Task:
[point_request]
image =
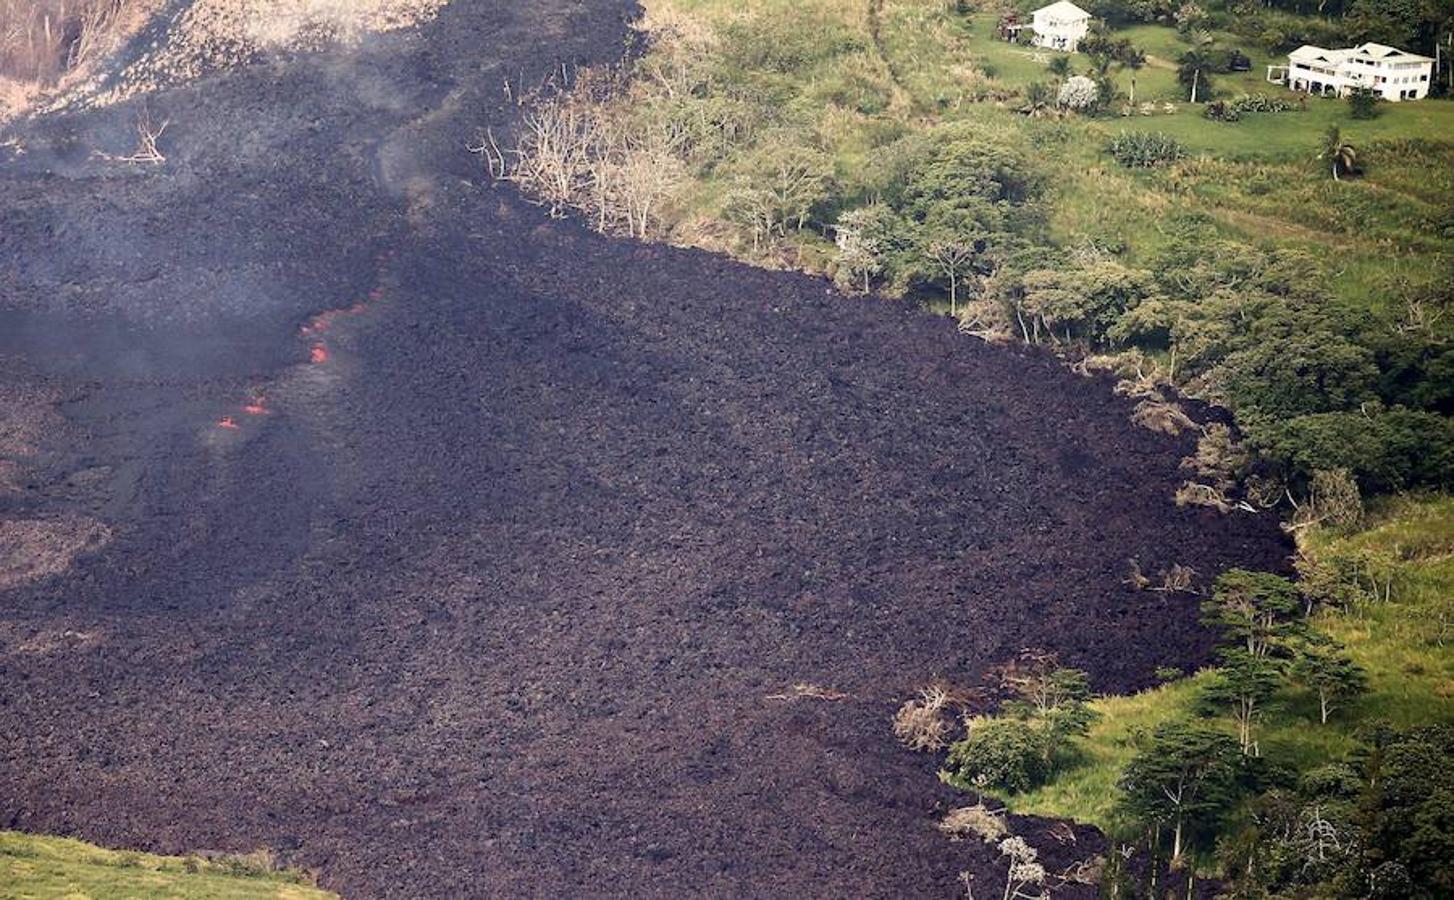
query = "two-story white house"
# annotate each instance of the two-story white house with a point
(1060, 26)
(1391, 73)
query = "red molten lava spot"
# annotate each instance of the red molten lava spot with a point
(257, 407)
(319, 354)
(226, 422)
(324, 320)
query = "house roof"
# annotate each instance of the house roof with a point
(1378, 52)
(1062, 9)
(1383, 51)
(1309, 53)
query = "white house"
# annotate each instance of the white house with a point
(1391, 73)
(1060, 26)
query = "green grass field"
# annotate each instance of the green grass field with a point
(1280, 137)
(40, 868)
(1406, 645)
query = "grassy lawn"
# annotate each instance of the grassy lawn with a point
(1292, 135)
(1406, 645)
(51, 867)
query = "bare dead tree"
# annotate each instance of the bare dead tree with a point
(1136, 579)
(148, 133)
(489, 150)
(1177, 579)
(953, 257)
(647, 177)
(573, 152)
(552, 156)
(1420, 317)
(1161, 416)
(1192, 493)
(96, 25)
(920, 724)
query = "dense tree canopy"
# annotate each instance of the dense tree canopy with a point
(1183, 778)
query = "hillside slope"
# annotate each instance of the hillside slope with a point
(452, 549)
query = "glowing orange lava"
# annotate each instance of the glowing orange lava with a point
(226, 422)
(324, 320)
(256, 407)
(319, 354)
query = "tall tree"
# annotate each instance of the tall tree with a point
(1194, 72)
(1185, 778)
(1258, 610)
(1134, 60)
(1242, 686)
(955, 258)
(861, 248)
(1325, 668)
(1392, 22)
(1054, 698)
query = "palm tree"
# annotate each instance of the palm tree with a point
(1337, 155)
(1038, 99)
(1195, 70)
(1060, 67)
(1197, 64)
(1133, 60)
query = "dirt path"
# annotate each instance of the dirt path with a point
(499, 592)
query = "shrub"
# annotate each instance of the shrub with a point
(1144, 149)
(1221, 111)
(920, 723)
(1161, 416)
(1261, 103)
(1333, 498)
(1079, 93)
(1363, 104)
(998, 754)
(976, 820)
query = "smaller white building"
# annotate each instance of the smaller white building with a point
(1389, 72)
(1060, 26)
